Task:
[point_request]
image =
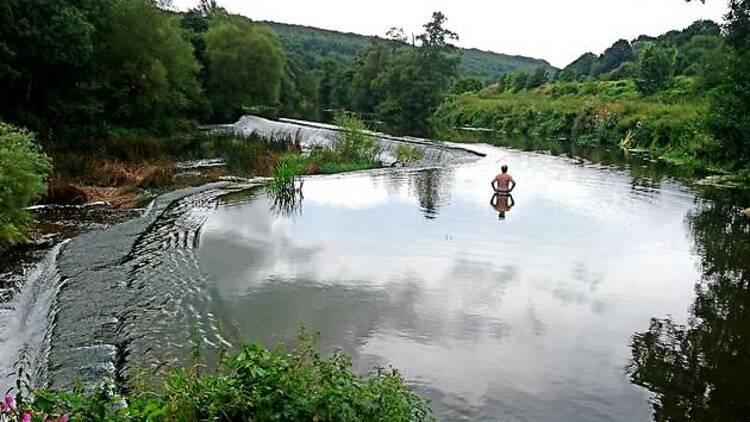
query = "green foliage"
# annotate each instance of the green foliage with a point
(285, 172)
(730, 106)
(246, 66)
(538, 78)
(47, 51)
(408, 154)
(594, 113)
(311, 47)
(147, 87)
(619, 53)
(255, 384)
(655, 69)
(697, 46)
(23, 173)
(353, 143)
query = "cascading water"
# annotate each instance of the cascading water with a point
(26, 320)
(132, 297)
(311, 134)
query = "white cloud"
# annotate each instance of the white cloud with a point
(556, 30)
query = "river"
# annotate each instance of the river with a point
(522, 315)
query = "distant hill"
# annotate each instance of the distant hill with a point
(308, 46)
(697, 46)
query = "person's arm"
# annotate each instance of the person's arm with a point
(494, 181)
(513, 184)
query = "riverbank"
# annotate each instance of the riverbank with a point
(670, 126)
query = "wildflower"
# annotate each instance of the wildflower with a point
(10, 403)
(63, 418)
(26, 417)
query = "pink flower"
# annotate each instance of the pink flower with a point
(63, 418)
(26, 417)
(10, 402)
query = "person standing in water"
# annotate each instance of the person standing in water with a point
(503, 183)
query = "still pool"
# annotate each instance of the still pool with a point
(527, 317)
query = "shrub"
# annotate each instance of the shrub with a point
(353, 143)
(407, 154)
(23, 174)
(256, 384)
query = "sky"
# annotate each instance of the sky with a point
(558, 31)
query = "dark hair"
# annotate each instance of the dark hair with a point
(504, 169)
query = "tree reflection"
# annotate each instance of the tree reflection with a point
(701, 371)
(431, 188)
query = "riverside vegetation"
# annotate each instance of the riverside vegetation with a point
(679, 96)
(77, 80)
(254, 383)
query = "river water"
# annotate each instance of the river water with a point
(519, 311)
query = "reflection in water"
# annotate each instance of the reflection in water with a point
(699, 371)
(287, 202)
(502, 203)
(432, 190)
(529, 321)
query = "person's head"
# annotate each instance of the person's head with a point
(504, 168)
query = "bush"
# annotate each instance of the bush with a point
(407, 154)
(255, 384)
(23, 174)
(353, 143)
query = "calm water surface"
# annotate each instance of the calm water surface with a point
(526, 318)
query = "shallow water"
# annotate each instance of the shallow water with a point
(526, 316)
(523, 318)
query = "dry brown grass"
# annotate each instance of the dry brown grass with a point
(117, 197)
(119, 173)
(115, 182)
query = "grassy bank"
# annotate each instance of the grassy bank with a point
(670, 125)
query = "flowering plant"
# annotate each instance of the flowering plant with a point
(11, 411)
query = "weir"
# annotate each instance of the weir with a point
(132, 297)
(312, 134)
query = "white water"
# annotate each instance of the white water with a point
(25, 320)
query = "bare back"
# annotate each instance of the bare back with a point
(503, 182)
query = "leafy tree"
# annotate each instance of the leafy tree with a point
(47, 75)
(619, 53)
(23, 172)
(655, 69)
(701, 51)
(196, 21)
(299, 92)
(147, 87)
(416, 80)
(520, 80)
(538, 78)
(373, 61)
(568, 74)
(583, 65)
(730, 114)
(246, 66)
(467, 84)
